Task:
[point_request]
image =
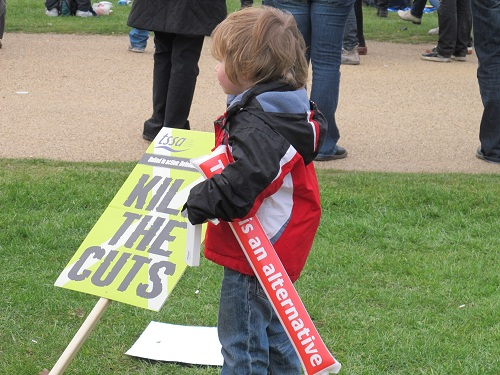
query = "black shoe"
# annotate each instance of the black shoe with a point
(147, 137)
(382, 13)
(435, 56)
(480, 155)
(340, 153)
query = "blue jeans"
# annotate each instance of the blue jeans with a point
(138, 38)
(252, 337)
(322, 23)
(486, 19)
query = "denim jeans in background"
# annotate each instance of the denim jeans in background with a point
(138, 38)
(486, 19)
(351, 32)
(322, 23)
(252, 337)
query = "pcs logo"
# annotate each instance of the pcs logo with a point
(174, 143)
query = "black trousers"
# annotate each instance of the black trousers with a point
(455, 25)
(174, 79)
(3, 10)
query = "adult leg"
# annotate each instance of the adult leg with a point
(358, 11)
(350, 32)
(350, 55)
(328, 20)
(486, 20)
(415, 13)
(51, 4)
(447, 20)
(161, 77)
(322, 24)
(464, 27)
(185, 57)
(417, 9)
(382, 6)
(83, 5)
(3, 10)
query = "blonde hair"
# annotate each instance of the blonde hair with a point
(261, 44)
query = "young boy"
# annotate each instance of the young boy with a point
(273, 133)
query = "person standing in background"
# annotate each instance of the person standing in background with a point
(455, 23)
(358, 11)
(179, 31)
(322, 24)
(486, 28)
(350, 55)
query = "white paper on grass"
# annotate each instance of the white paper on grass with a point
(175, 343)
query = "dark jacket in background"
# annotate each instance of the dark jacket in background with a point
(187, 17)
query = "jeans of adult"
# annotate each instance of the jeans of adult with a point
(138, 38)
(3, 10)
(175, 73)
(322, 23)
(455, 24)
(252, 337)
(350, 32)
(486, 19)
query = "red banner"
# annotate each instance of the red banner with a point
(313, 353)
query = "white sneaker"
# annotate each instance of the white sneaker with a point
(81, 13)
(350, 57)
(52, 13)
(434, 31)
(407, 16)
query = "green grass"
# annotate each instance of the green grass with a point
(28, 16)
(403, 277)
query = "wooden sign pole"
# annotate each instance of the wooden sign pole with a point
(74, 346)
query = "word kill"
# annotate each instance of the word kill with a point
(138, 233)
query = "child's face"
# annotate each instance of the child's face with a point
(229, 87)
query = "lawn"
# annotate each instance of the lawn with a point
(403, 277)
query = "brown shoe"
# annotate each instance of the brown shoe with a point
(362, 50)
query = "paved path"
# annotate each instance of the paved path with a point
(84, 98)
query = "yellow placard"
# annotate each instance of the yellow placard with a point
(135, 252)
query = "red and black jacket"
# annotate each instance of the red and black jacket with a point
(273, 134)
